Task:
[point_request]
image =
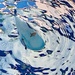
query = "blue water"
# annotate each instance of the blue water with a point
(20, 4)
(32, 42)
(32, 3)
(23, 4)
(2, 6)
(1, 0)
(6, 10)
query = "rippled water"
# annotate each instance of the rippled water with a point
(34, 40)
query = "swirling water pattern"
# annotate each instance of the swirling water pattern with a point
(56, 29)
